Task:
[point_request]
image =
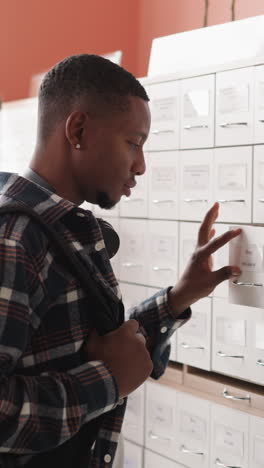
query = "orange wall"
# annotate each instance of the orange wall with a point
(34, 34)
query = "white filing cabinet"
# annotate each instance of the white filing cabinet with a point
(194, 338)
(136, 206)
(164, 107)
(187, 241)
(163, 185)
(220, 260)
(229, 438)
(133, 250)
(233, 183)
(259, 105)
(161, 419)
(197, 112)
(196, 183)
(132, 295)
(102, 213)
(258, 184)
(256, 442)
(230, 350)
(133, 455)
(246, 251)
(162, 253)
(256, 346)
(152, 460)
(234, 107)
(133, 427)
(193, 436)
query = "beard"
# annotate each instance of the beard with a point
(103, 200)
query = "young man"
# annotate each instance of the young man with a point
(63, 386)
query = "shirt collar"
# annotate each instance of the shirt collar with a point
(45, 202)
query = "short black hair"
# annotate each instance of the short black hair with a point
(104, 84)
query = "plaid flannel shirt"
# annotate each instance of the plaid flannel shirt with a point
(47, 390)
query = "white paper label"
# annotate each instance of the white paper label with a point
(230, 440)
(196, 177)
(160, 414)
(232, 177)
(164, 179)
(163, 247)
(192, 426)
(260, 335)
(259, 451)
(196, 327)
(251, 258)
(234, 99)
(130, 462)
(231, 331)
(164, 109)
(133, 246)
(196, 104)
(260, 98)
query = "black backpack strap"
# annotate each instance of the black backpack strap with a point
(102, 318)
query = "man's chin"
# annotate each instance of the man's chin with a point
(104, 201)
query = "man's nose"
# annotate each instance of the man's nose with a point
(140, 165)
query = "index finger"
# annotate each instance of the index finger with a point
(206, 226)
(219, 242)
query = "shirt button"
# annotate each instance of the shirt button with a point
(107, 458)
(121, 401)
(163, 330)
(99, 245)
(82, 215)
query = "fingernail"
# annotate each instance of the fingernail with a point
(235, 272)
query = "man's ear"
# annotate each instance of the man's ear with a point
(74, 127)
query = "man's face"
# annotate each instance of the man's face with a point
(114, 154)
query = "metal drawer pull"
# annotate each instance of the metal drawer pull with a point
(235, 398)
(261, 120)
(157, 268)
(232, 201)
(154, 436)
(157, 132)
(183, 449)
(261, 200)
(260, 362)
(131, 265)
(219, 463)
(126, 200)
(195, 127)
(252, 285)
(195, 200)
(162, 201)
(236, 356)
(186, 346)
(233, 124)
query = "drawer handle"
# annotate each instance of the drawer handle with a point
(244, 283)
(236, 356)
(154, 436)
(232, 201)
(162, 201)
(219, 463)
(157, 132)
(195, 127)
(261, 200)
(195, 200)
(261, 120)
(186, 346)
(235, 398)
(233, 124)
(131, 265)
(260, 362)
(183, 449)
(126, 200)
(157, 268)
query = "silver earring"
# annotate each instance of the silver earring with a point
(77, 146)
